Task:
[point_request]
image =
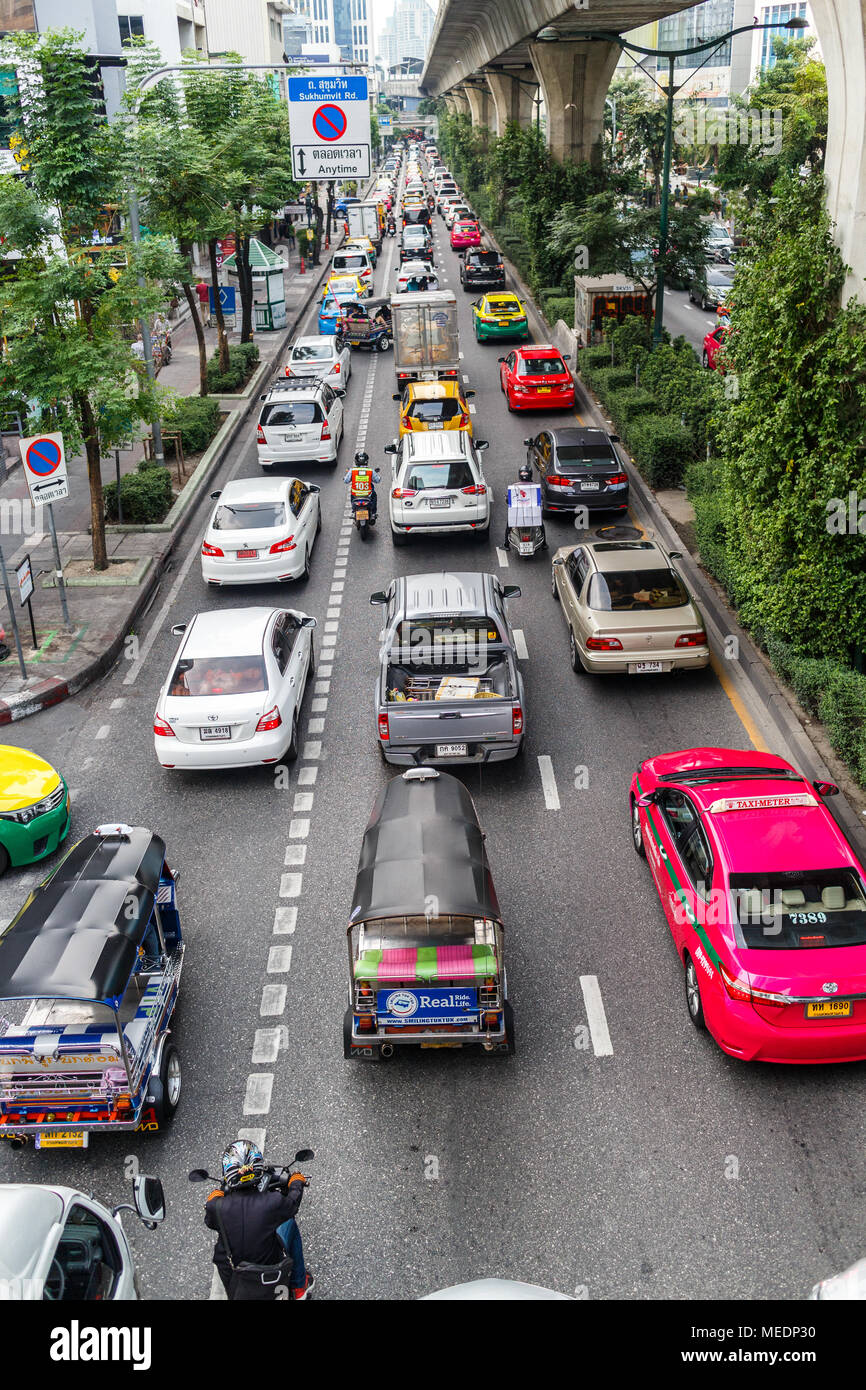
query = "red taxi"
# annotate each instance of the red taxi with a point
(765, 899)
(465, 233)
(713, 344)
(535, 377)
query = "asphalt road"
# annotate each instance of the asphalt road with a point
(659, 1168)
(689, 320)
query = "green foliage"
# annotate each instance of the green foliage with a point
(629, 403)
(682, 387)
(146, 496)
(243, 358)
(632, 340)
(606, 380)
(197, 418)
(661, 446)
(842, 711)
(556, 306)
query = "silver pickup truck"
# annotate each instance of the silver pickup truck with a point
(449, 687)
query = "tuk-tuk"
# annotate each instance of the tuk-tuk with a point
(367, 324)
(89, 973)
(425, 935)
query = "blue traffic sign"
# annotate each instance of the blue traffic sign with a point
(327, 88)
(227, 299)
(43, 457)
(329, 123)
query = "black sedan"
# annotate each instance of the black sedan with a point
(578, 467)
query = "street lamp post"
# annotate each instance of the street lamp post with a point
(708, 47)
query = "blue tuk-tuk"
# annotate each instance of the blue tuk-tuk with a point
(89, 974)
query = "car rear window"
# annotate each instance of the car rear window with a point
(583, 455)
(620, 590)
(222, 675)
(353, 262)
(433, 412)
(444, 631)
(800, 910)
(483, 258)
(454, 473)
(541, 366)
(313, 352)
(249, 516)
(291, 413)
(503, 306)
(416, 217)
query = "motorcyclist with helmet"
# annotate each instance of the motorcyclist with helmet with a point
(362, 480)
(259, 1219)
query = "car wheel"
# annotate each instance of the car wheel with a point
(291, 752)
(705, 358)
(319, 520)
(553, 588)
(384, 343)
(5, 861)
(636, 831)
(305, 572)
(693, 994)
(398, 538)
(508, 402)
(577, 665)
(166, 1091)
(704, 305)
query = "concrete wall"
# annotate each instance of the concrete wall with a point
(841, 26)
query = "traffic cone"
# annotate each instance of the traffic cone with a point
(302, 269)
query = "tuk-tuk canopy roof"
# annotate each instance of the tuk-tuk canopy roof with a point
(77, 935)
(423, 848)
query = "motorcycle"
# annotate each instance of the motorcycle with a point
(391, 227)
(524, 532)
(273, 1179)
(362, 516)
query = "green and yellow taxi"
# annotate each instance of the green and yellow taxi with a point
(499, 315)
(34, 807)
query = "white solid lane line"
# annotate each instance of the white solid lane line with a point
(596, 1017)
(548, 783)
(520, 644)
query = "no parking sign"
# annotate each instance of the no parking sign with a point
(44, 468)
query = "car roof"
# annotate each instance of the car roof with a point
(570, 434)
(436, 444)
(227, 632)
(293, 387)
(254, 490)
(538, 350)
(628, 555)
(446, 591)
(314, 340)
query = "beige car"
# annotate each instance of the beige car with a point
(628, 610)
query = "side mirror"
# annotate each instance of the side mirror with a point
(313, 487)
(380, 597)
(647, 799)
(397, 396)
(338, 391)
(676, 554)
(215, 495)
(263, 398)
(390, 448)
(527, 442)
(199, 1175)
(309, 622)
(511, 591)
(558, 560)
(500, 359)
(826, 788)
(614, 438)
(481, 444)
(566, 356)
(304, 1155)
(149, 1199)
(469, 395)
(179, 629)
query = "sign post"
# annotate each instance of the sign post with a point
(45, 470)
(329, 124)
(13, 615)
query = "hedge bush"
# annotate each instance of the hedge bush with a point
(661, 447)
(146, 496)
(712, 536)
(197, 418)
(608, 379)
(593, 358)
(842, 711)
(559, 307)
(628, 405)
(242, 361)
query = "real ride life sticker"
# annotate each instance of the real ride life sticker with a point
(329, 123)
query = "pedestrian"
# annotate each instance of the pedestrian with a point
(202, 289)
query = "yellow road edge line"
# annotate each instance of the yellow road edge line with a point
(739, 708)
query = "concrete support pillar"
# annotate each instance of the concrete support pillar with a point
(512, 94)
(461, 101)
(574, 79)
(480, 106)
(451, 102)
(841, 26)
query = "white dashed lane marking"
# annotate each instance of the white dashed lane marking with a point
(299, 829)
(502, 557)
(290, 885)
(279, 960)
(596, 1017)
(520, 644)
(285, 921)
(548, 783)
(257, 1100)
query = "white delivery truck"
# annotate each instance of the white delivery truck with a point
(424, 329)
(363, 220)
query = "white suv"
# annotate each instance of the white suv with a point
(301, 421)
(437, 485)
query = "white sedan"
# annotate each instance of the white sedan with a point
(261, 530)
(415, 270)
(323, 355)
(234, 690)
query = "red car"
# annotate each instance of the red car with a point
(465, 234)
(535, 377)
(765, 899)
(713, 344)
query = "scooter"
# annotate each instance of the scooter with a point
(524, 533)
(362, 516)
(391, 227)
(273, 1180)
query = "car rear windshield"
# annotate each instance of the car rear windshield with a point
(358, 262)
(313, 352)
(249, 516)
(624, 589)
(220, 675)
(434, 412)
(584, 455)
(799, 910)
(454, 473)
(291, 413)
(417, 217)
(541, 366)
(446, 631)
(483, 258)
(504, 306)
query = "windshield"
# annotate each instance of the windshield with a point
(221, 675)
(799, 911)
(583, 455)
(504, 306)
(249, 516)
(483, 258)
(541, 366)
(358, 262)
(290, 413)
(623, 589)
(454, 473)
(313, 352)
(435, 412)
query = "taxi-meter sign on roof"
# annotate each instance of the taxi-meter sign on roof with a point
(329, 122)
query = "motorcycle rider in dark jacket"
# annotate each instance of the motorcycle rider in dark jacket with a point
(260, 1225)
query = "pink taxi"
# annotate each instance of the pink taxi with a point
(765, 898)
(465, 233)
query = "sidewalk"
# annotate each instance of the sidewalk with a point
(104, 609)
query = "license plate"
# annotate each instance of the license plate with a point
(451, 750)
(292, 438)
(218, 731)
(440, 501)
(525, 547)
(503, 323)
(830, 1008)
(362, 514)
(590, 487)
(63, 1139)
(645, 668)
(438, 1044)
(248, 554)
(544, 390)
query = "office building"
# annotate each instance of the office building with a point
(175, 26)
(343, 23)
(252, 28)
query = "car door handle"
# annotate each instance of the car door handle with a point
(452, 714)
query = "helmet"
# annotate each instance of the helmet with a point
(525, 474)
(361, 459)
(243, 1163)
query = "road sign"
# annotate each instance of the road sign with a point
(385, 124)
(44, 468)
(24, 575)
(329, 121)
(227, 299)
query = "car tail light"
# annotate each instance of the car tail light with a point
(288, 371)
(407, 422)
(271, 720)
(774, 1001)
(692, 639)
(383, 727)
(557, 480)
(617, 478)
(516, 720)
(336, 369)
(279, 547)
(490, 1020)
(524, 390)
(326, 431)
(735, 989)
(464, 421)
(475, 490)
(366, 1024)
(603, 644)
(162, 728)
(401, 492)
(260, 436)
(207, 549)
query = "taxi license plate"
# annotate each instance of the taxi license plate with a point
(451, 750)
(645, 668)
(830, 1008)
(438, 1044)
(218, 731)
(248, 554)
(440, 501)
(544, 390)
(590, 487)
(503, 323)
(63, 1139)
